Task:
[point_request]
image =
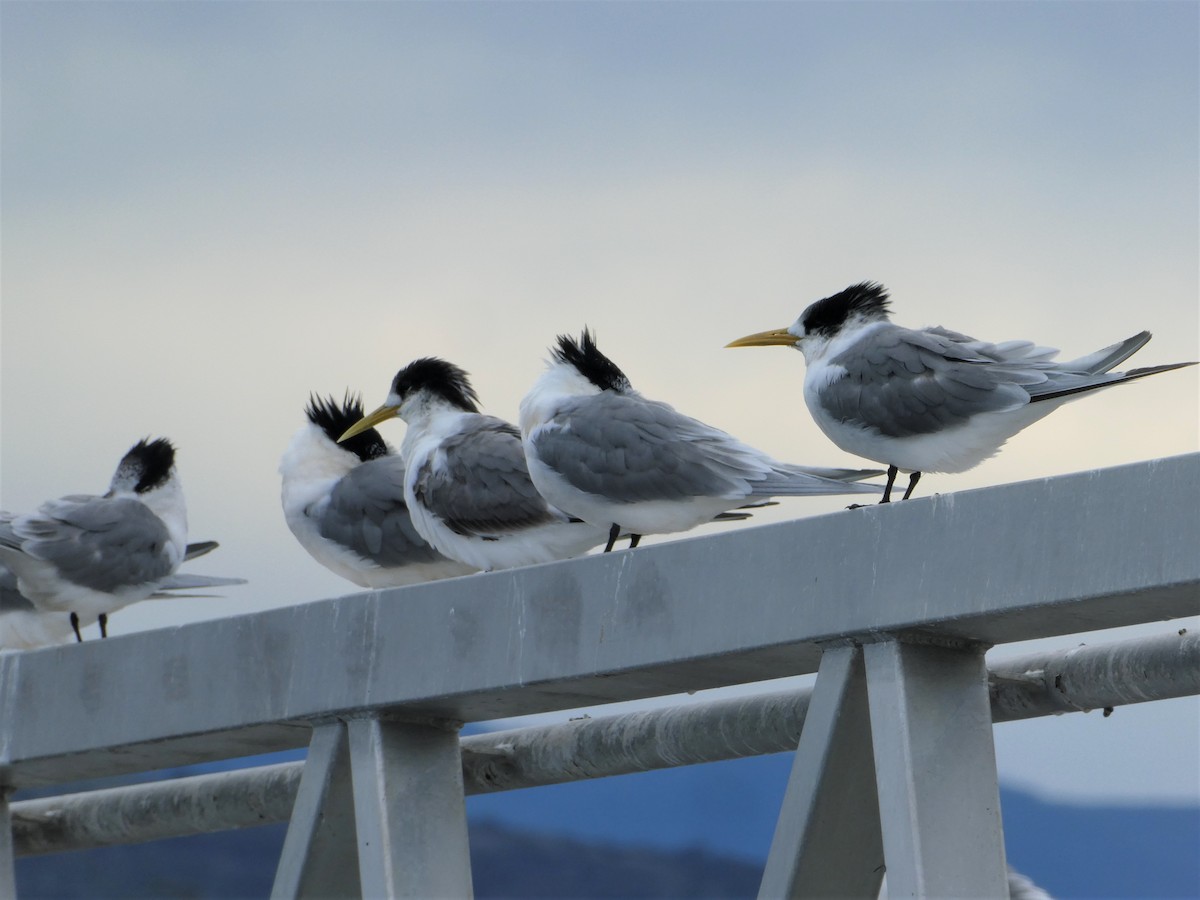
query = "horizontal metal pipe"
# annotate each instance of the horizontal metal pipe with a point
(1072, 680)
(132, 814)
(584, 748)
(1085, 678)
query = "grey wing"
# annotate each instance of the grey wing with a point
(99, 543)
(629, 449)
(366, 513)
(479, 484)
(8, 537)
(904, 383)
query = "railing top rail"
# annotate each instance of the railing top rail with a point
(1040, 558)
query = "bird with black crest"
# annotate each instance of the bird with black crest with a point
(467, 485)
(84, 556)
(344, 502)
(599, 450)
(930, 399)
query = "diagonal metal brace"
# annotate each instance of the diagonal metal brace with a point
(827, 841)
(321, 845)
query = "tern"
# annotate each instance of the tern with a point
(345, 502)
(599, 450)
(24, 626)
(467, 486)
(930, 399)
(89, 556)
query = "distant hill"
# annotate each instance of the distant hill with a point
(701, 831)
(505, 863)
(731, 807)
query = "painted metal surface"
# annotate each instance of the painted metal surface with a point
(935, 770)
(895, 757)
(1155, 668)
(8, 876)
(1103, 676)
(827, 841)
(1060, 555)
(409, 810)
(197, 804)
(320, 851)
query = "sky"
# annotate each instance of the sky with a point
(208, 210)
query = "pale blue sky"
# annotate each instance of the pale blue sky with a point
(210, 209)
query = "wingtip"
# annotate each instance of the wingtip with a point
(199, 548)
(1154, 370)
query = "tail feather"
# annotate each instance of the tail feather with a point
(742, 512)
(834, 474)
(1115, 378)
(181, 581)
(1154, 370)
(1104, 360)
(799, 481)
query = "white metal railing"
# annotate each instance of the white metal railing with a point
(1080, 679)
(896, 605)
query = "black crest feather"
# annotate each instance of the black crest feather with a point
(151, 461)
(335, 418)
(439, 377)
(593, 365)
(867, 299)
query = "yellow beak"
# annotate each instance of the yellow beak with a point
(780, 337)
(370, 420)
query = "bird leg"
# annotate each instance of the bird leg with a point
(633, 540)
(612, 537)
(912, 483)
(887, 490)
(103, 619)
(75, 626)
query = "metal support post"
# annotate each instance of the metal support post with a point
(8, 875)
(827, 842)
(320, 850)
(410, 810)
(935, 766)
